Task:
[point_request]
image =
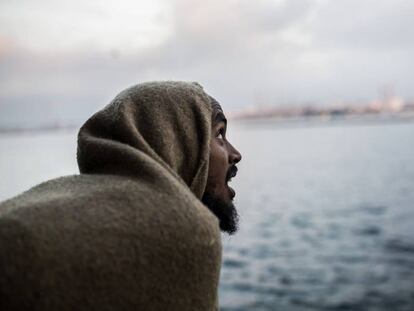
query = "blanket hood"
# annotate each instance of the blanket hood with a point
(129, 232)
(150, 130)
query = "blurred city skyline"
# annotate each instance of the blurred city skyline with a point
(61, 61)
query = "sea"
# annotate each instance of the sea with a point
(326, 212)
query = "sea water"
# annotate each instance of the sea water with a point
(326, 212)
(327, 219)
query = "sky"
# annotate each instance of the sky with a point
(60, 61)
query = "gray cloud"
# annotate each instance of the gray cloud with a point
(243, 52)
(369, 24)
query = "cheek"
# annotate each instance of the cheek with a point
(218, 166)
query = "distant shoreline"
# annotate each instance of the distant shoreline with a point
(297, 121)
(40, 129)
(317, 121)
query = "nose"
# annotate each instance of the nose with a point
(234, 155)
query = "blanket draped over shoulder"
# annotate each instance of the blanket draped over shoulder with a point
(130, 231)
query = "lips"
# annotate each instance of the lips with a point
(232, 192)
(230, 174)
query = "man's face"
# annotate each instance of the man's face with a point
(218, 196)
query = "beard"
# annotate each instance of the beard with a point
(225, 212)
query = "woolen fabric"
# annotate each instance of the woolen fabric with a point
(129, 232)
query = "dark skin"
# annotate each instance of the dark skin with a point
(218, 196)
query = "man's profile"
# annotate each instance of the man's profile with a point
(132, 231)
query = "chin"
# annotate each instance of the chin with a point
(224, 210)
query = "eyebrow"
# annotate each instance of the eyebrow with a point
(219, 117)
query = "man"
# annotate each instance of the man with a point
(218, 196)
(130, 232)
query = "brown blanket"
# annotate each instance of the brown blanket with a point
(129, 232)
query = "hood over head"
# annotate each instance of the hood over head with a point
(130, 231)
(150, 130)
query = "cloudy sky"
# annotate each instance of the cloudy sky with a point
(62, 60)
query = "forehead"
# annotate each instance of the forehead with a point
(218, 114)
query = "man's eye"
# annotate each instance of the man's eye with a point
(220, 134)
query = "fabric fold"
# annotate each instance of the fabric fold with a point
(129, 232)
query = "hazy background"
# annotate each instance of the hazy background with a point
(61, 60)
(326, 203)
